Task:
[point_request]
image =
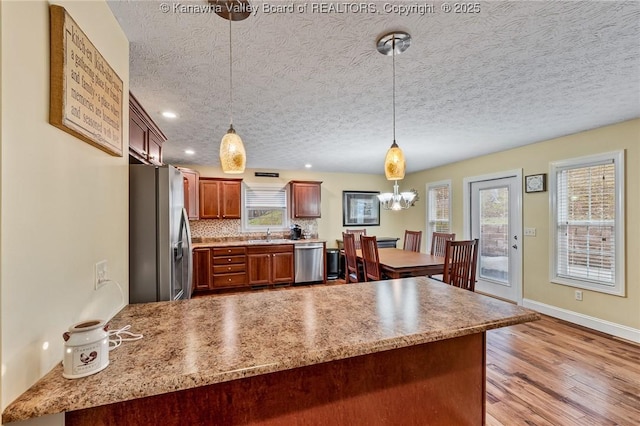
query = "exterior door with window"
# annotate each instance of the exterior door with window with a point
(495, 219)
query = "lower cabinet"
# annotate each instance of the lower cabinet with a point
(242, 266)
(270, 264)
(201, 269)
(229, 267)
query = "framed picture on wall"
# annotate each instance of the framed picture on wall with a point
(536, 183)
(360, 208)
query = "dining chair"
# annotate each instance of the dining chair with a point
(352, 274)
(438, 242)
(460, 262)
(370, 258)
(357, 233)
(412, 240)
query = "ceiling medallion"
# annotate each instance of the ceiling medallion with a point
(232, 10)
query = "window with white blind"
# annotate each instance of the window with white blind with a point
(438, 208)
(587, 198)
(264, 207)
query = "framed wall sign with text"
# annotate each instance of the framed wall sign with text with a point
(536, 183)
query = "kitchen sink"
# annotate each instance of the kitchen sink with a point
(271, 241)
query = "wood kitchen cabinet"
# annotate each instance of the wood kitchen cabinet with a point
(145, 137)
(270, 264)
(191, 192)
(201, 269)
(220, 198)
(229, 267)
(305, 199)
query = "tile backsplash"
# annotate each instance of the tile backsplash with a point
(232, 229)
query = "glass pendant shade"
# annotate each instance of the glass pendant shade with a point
(394, 164)
(396, 200)
(232, 154)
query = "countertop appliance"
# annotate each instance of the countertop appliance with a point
(309, 263)
(296, 232)
(160, 266)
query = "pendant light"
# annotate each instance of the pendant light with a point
(394, 162)
(232, 154)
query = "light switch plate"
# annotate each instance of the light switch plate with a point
(529, 232)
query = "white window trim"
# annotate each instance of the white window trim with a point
(428, 186)
(245, 228)
(619, 287)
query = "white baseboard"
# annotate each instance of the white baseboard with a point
(617, 330)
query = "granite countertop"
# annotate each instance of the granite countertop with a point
(215, 242)
(197, 342)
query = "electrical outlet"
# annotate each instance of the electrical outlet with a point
(529, 232)
(579, 295)
(101, 276)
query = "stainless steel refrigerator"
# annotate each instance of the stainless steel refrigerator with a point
(160, 266)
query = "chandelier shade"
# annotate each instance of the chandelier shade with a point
(396, 200)
(232, 154)
(394, 164)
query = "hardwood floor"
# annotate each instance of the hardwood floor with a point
(550, 372)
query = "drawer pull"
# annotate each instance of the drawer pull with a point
(229, 279)
(229, 260)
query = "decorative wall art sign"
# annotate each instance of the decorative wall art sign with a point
(86, 95)
(536, 183)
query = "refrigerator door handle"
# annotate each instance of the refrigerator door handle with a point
(184, 224)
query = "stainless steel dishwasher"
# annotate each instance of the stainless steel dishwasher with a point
(309, 262)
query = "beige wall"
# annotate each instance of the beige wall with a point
(64, 203)
(533, 159)
(392, 224)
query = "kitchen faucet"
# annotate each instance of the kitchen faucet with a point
(268, 235)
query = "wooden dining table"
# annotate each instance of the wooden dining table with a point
(398, 263)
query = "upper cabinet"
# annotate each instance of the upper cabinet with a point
(191, 192)
(305, 199)
(220, 198)
(145, 138)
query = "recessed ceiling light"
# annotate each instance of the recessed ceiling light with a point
(169, 114)
(189, 151)
(308, 166)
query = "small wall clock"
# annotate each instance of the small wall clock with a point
(536, 183)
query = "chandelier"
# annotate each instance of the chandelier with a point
(232, 154)
(394, 162)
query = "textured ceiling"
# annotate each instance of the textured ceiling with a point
(311, 87)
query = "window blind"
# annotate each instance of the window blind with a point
(586, 228)
(265, 198)
(439, 208)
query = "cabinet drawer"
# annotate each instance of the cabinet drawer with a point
(230, 280)
(276, 248)
(228, 251)
(228, 260)
(228, 269)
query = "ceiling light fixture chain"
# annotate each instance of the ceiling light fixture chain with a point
(394, 162)
(230, 76)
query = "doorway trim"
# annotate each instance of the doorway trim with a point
(466, 216)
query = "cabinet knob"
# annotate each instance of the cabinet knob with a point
(229, 279)
(229, 259)
(229, 251)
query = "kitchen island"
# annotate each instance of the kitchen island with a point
(406, 351)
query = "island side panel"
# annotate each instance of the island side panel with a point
(438, 383)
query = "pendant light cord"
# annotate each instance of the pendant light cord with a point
(231, 75)
(393, 55)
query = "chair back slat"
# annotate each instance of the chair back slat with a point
(439, 241)
(357, 233)
(370, 258)
(350, 258)
(460, 262)
(412, 240)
